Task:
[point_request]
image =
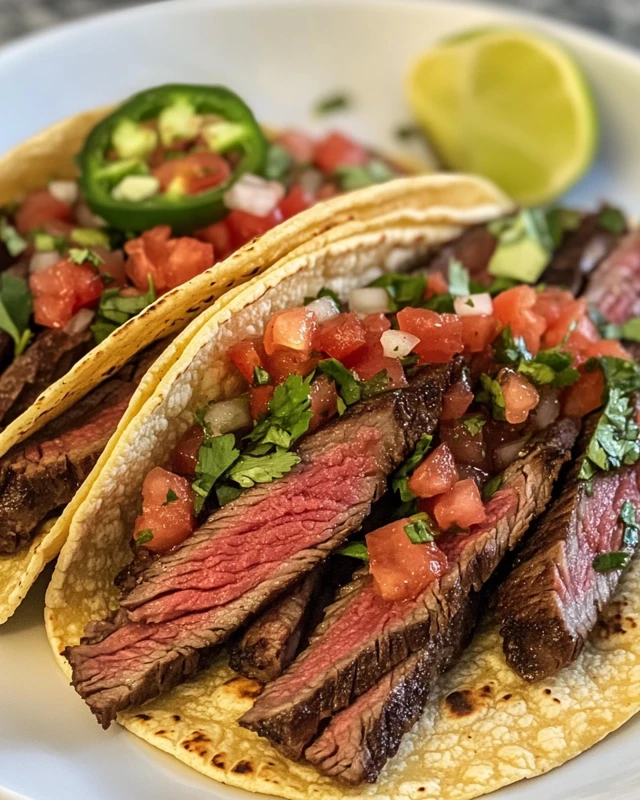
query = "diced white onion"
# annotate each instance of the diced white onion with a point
(80, 322)
(311, 180)
(473, 305)
(370, 300)
(64, 191)
(547, 411)
(228, 416)
(87, 219)
(507, 453)
(324, 309)
(398, 344)
(254, 195)
(43, 259)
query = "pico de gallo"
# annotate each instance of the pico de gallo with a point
(523, 355)
(173, 181)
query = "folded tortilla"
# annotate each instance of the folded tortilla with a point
(50, 155)
(484, 727)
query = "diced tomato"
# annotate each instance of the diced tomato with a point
(285, 362)
(337, 150)
(461, 506)
(440, 334)
(376, 324)
(400, 568)
(456, 401)
(342, 337)
(374, 361)
(39, 208)
(572, 327)
(169, 520)
(607, 347)
(294, 328)
(436, 284)
(296, 200)
(478, 332)
(327, 191)
(219, 236)
(246, 356)
(520, 396)
(467, 446)
(435, 475)
(185, 453)
(61, 290)
(515, 308)
(112, 265)
(551, 304)
(324, 401)
(299, 145)
(193, 174)
(169, 262)
(243, 227)
(259, 397)
(585, 395)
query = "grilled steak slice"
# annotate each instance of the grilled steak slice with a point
(613, 287)
(355, 745)
(580, 253)
(253, 549)
(41, 474)
(473, 249)
(271, 643)
(551, 600)
(51, 355)
(363, 636)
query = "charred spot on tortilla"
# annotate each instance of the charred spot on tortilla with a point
(460, 703)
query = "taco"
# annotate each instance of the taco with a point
(413, 422)
(168, 186)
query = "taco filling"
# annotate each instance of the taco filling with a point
(416, 427)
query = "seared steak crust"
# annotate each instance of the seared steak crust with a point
(551, 600)
(253, 549)
(613, 288)
(364, 636)
(48, 358)
(357, 742)
(271, 643)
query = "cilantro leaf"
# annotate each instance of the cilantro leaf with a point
(491, 487)
(612, 220)
(278, 164)
(608, 561)
(492, 396)
(143, 537)
(458, 279)
(354, 550)
(44, 241)
(548, 367)
(288, 416)
(249, 469)
(215, 456)
(510, 349)
(84, 255)
(441, 303)
(16, 305)
(260, 376)
(400, 479)
(474, 423)
(171, 498)
(631, 528)
(114, 310)
(225, 493)
(403, 290)
(350, 389)
(420, 529)
(11, 239)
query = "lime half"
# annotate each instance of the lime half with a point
(509, 105)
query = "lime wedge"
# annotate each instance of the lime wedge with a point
(509, 105)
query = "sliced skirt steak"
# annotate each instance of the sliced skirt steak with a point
(614, 287)
(253, 549)
(355, 745)
(364, 636)
(550, 602)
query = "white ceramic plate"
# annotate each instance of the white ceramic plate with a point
(281, 56)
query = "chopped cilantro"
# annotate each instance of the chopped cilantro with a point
(225, 493)
(441, 303)
(350, 389)
(612, 220)
(509, 349)
(631, 528)
(324, 292)
(249, 469)
(420, 529)
(278, 163)
(500, 284)
(491, 487)
(114, 310)
(260, 376)
(474, 423)
(339, 101)
(615, 439)
(215, 456)
(143, 537)
(288, 415)
(403, 290)
(83, 255)
(560, 220)
(354, 550)
(12, 240)
(608, 561)
(43, 241)
(171, 497)
(400, 479)
(352, 177)
(491, 395)
(458, 279)
(16, 305)
(549, 367)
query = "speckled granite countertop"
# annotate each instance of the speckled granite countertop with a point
(617, 18)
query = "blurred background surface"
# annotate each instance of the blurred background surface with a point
(617, 18)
